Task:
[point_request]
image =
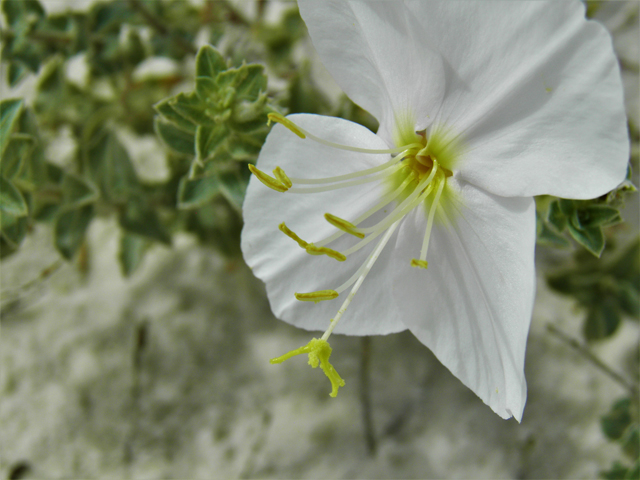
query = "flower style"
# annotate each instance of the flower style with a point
(431, 220)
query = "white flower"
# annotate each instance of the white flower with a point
(482, 105)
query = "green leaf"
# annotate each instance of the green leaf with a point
(603, 319)
(562, 283)
(13, 229)
(191, 108)
(165, 109)
(245, 147)
(547, 236)
(207, 92)
(634, 471)
(591, 238)
(616, 472)
(132, 250)
(233, 188)
(556, 217)
(627, 265)
(109, 17)
(209, 62)
(174, 138)
(629, 298)
(55, 174)
(33, 172)
(229, 79)
(10, 111)
(598, 215)
(566, 206)
(70, 229)
(16, 71)
(77, 192)
(141, 219)
(17, 11)
(208, 139)
(111, 168)
(631, 442)
(197, 192)
(248, 117)
(252, 82)
(11, 200)
(615, 422)
(17, 150)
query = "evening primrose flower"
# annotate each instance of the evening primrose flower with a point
(431, 221)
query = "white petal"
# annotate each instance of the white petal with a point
(377, 54)
(534, 90)
(282, 264)
(472, 306)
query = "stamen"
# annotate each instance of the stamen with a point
(268, 180)
(302, 133)
(310, 247)
(318, 296)
(319, 352)
(407, 204)
(367, 268)
(414, 199)
(289, 233)
(282, 177)
(328, 188)
(381, 204)
(432, 213)
(343, 225)
(276, 117)
(348, 176)
(313, 250)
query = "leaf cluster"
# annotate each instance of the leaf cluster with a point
(222, 124)
(106, 33)
(608, 289)
(211, 133)
(583, 220)
(621, 425)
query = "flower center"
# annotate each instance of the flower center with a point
(414, 176)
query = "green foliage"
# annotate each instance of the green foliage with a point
(211, 132)
(220, 126)
(608, 289)
(20, 170)
(584, 220)
(621, 426)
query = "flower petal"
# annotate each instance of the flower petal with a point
(472, 306)
(534, 91)
(282, 264)
(377, 54)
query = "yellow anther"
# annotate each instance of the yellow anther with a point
(289, 233)
(313, 250)
(343, 225)
(319, 352)
(317, 296)
(419, 263)
(310, 247)
(282, 177)
(276, 117)
(267, 180)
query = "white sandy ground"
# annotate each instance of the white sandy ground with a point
(204, 403)
(209, 405)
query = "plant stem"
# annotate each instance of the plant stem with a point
(586, 353)
(365, 396)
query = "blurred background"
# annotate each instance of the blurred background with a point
(135, 343)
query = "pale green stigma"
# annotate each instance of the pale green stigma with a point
(319, 352)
